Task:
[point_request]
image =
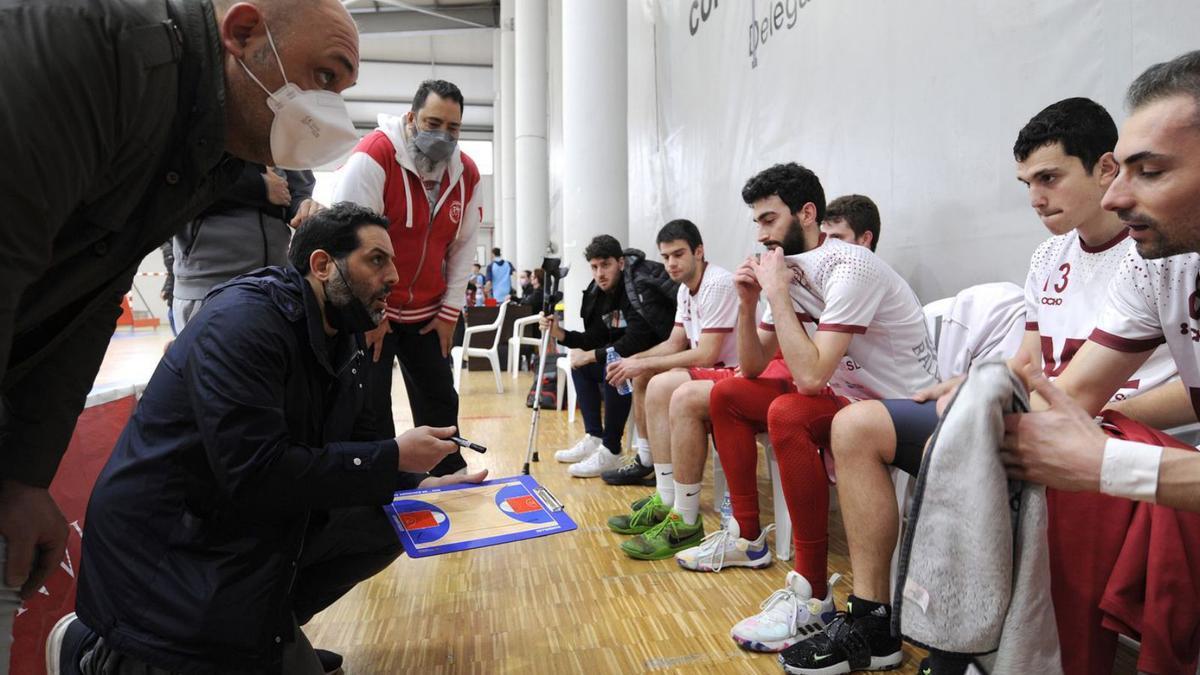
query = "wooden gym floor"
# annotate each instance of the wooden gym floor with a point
(568, 603)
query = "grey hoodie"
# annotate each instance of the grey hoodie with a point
(240, 233)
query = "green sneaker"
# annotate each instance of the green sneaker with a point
(647, 512)
(666, 539)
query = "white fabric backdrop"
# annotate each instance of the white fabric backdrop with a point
(915, 103)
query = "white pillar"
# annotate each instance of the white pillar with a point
(595, 160)
(529, 108)
(506, 170)
(497, 152)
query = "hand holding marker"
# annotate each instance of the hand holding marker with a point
(464, 443)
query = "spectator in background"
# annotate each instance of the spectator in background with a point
(476, 276)
(525, 281)
(500, 272)
(535, 296)
(412, 171)
(486, 299)
(248, 228)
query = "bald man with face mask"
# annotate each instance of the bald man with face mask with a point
(121, 121)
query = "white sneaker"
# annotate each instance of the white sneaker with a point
(580, 451)
(600, 461)
(726, 548)
(789, 616)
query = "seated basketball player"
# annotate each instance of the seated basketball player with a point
(852, 218)
(849, 328)
(1064, 157)
(1151, 300)
(701, 350)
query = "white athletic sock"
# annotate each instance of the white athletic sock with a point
(687, 501)
(665, 479)
(643, 451)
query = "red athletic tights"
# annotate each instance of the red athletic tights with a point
(798, 426)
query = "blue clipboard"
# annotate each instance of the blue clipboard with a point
(434, 521)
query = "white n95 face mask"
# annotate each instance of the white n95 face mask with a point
(312, 128)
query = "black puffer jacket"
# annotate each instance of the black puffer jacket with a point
(645, 299)
(253, 421)
(113, 134)
(651, 292)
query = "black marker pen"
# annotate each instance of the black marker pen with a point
(464, 443)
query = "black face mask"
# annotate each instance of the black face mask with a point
(353, 317)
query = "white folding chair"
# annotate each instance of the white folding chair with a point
(783, 521)
(563, 364)
(492, 354)
(519, 340)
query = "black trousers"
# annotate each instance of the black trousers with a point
(591, 388)
(341, 548)
(429, 380)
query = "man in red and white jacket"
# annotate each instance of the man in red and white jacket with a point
(411, 170)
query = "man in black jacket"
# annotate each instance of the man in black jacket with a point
(121, 121)
(268, 474)
(629, 307)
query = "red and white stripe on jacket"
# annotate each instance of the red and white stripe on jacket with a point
(434, 247)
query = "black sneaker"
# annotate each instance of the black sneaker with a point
(847, 645)
(67, 643)
(331, 662)
(633, 473)
(941, 663)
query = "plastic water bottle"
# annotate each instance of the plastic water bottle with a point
(612, 357)
(726, 511)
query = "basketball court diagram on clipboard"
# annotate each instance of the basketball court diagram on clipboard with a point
(441, 520)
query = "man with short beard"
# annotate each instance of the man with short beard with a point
(841, 326)
(267, 473)
(116, 131)
(412, 171)
(737, 408)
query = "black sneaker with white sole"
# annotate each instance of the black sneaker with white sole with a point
(633, 473)
(847, 645)
(66, 644)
